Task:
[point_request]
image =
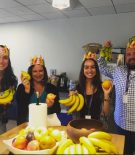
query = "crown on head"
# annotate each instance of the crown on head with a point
(131, 42)
(37, 60)
(5, 51)
(89, 55)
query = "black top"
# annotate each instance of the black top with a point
(93, 104)
(23, 101)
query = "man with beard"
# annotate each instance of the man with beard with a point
(123, 77)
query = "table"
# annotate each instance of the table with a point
(118, 140)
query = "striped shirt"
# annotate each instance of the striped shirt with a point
(124, 114)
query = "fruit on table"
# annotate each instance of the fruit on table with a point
(98, 143)
(100, 135)
(106, 84)
(47, 142)
(20, 142)
(30, 136)
(56, 134)
(33, 145)
(25, 75)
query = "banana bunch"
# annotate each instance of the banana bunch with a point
(102, 142)
(106, 51)
(74, 102)
(131, 42)
(68, 147)
(6, 96)
(98, 142)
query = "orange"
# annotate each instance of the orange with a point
(106, 84)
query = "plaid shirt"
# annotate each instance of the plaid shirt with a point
(124, 114)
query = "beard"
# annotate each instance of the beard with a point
(130, 64)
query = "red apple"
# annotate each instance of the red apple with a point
(20, 142)
(33, 145)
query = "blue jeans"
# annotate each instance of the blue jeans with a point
(129, 147)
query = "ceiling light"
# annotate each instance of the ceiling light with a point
(61, 4)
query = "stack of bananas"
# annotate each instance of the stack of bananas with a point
(98, 142)
(106, 51)
(74, 102)
(6, 96)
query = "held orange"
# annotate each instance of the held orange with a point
(106, 84)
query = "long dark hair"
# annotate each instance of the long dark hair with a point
(9, 79)
(45, 79)
(96, 80)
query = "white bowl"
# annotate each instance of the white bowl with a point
(14, 150)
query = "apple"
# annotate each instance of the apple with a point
(47, 142)
(20, 142)
(39, 132)
(33, 145)
(56, 134)
(51, 96)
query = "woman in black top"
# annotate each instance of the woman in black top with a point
(90, 86)
(8, 83)
(26, 91)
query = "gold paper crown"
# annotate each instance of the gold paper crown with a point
(37, 60)
(131, 42)
(89, 55)
(6, 50)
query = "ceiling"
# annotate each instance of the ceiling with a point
(33, 10)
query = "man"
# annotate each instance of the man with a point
(124, 80)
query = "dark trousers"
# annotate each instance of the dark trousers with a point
(129, 147)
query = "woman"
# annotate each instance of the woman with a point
(26, 91)
(8, 83)
(90, 86)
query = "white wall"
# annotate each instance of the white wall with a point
(61, 41)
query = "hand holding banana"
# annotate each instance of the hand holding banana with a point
(75, 102)
(6, 96)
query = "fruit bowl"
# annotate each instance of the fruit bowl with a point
(83, 127)
(14, 150)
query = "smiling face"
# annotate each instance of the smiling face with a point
(89, 69)
(4, 59)
(38, 73)
(130, 58)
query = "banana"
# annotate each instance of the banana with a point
(113, 147)
(100, 143)
(100, 135)
(78, 149)
(4, 94)
(67, 150)
(74, 106)
(66, 101)
(63, 146)
(26, 75)
(72, 149)
(8, 99)
(81, 99)
(84, 150)
(72, 102)
(87, 143)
